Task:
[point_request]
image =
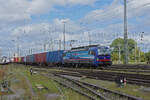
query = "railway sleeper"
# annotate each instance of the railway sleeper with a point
(129, 97)
(76, 90)
(87, 88)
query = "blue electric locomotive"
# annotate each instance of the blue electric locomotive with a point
(88, 55)
(92, 55)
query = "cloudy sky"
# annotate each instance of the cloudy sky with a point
(29, 24)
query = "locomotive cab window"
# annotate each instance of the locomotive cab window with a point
(91, 52)
(103, 51)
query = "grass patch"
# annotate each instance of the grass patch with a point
(43, 81)
(71, 95)
(53, 88)
(128, 89)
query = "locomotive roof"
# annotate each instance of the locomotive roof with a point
(84, 47)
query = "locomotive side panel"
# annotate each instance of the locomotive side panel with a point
(78, 57)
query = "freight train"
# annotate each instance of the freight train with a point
(92, 55)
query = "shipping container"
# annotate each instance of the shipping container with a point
(16, 59)
(40, 58)
(54, 57)
(12, 60)
(25, 59)
(22, 59)
(30, 59)
(19, 59)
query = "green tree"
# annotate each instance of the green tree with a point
(118, 45)
(115, 57)
(147, 57)
(120, 42)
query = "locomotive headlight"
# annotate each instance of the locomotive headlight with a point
(97, 59)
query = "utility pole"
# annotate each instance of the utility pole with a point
(52, 45)
(89, 38)
(18, 46)
(31, 51)
(125, 33)
(139, 55)
(135, 53)
(64, 34)
(44, 45)
(9, 52)
(141, 36)
(50, 38)
(59, 44)
(119, 54)
(0, 52)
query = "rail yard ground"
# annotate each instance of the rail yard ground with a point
(35, 87)
(43, 85)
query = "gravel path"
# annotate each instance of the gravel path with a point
(30, 86)
(17, 94)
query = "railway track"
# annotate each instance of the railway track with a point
(138, 79)
(78, 87)
(136, 69)
(73, 88)
(136, 66)
(100, 92)
(110, 76)
(128, 70)
(95, 91)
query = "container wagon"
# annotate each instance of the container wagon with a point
(30, 59)
(54, 58)
(40, 58)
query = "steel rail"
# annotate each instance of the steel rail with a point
(129, 97)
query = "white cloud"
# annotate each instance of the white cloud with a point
(18, 10)
(39, 6)
(13, 10)
(115, 10)
(45, 32)
(56, 26)
(106, 14)
(110, 19)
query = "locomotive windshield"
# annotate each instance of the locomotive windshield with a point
(104, 51)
